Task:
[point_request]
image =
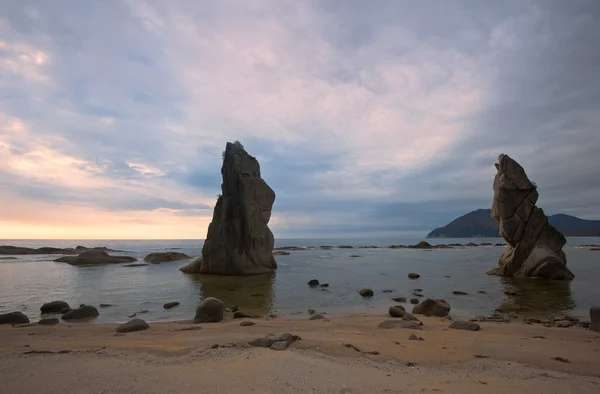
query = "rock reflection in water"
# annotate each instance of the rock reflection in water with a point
(252, 294)
(542, 298)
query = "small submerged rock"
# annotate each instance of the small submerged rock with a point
(399, 299)
(413, 275)
(159, 257)
(458, 292)
(94, 257)
(414, 301)
(171, 304)
(13, 318)
(313, 282)
(54, 307)
(105, 305)
(281, 253)
(133, 325)
(366, 292)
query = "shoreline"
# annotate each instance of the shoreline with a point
(513, 356)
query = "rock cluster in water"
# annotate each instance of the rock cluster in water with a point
(239, 242)
(534, 246)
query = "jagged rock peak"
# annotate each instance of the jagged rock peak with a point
(534, 246)
(239, 242)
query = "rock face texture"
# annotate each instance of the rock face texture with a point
(239, 242)
(534, 247)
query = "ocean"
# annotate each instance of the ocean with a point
(31, 280)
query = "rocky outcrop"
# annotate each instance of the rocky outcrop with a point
(20, 250)
(534, 246)
(13, 318)
(239, 242)
(92, 257)
(157, 257)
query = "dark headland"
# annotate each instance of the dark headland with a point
(479, 224)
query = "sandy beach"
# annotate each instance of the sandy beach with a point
(339, 355)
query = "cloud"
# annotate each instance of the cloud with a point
(366, 119)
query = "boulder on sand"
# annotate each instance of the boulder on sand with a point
(83, 312)
(595, 318)
(13, 318)
(534, 246)
(397, 311)
(432, 307)
(210, 311)
(239, 242)
(95, 257)
(157, 258)
(54, 307)
(133, 325)
(51, 321)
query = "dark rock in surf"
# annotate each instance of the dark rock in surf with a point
(13, 318)
(210, 311)
(54, 307)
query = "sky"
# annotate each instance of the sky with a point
(369, 118)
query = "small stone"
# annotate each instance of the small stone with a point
(171, 304)
(280, 345)
(413, 275)
(133, 325)
(482, 291)
(366, 292)
(458, 292)
(324, 285)
(414, 301)
(413, 337)
(394, 311)
(105, 305)
(399, 299)
(49, 322)
(410, 317)
(417, 294)
(261, 342)
(316, 317)
(313, 282)
(387, 291)
(247, 323)
(311, 311)
(561, 359)
(464, 325)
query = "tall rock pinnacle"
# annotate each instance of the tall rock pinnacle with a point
(239, 242)
(534, 246)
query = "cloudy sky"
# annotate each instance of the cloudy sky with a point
(369, 118)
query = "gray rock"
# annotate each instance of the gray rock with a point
(54, 307)
(94, 257)
(408, 324)
(157, 258)
(595, 318)
(313, 282)
(311, 311)
(413, 275)
(49, 321)
(280, 345)
(432, 307)
(13, 318)
(133, 325)
(210, 311)
(105, 305)
(366, 292)
(83, 312)
(534, 246)
(247, 323)
(239, 242)
(458, 292)
(316, 317)
(394, 311)
(171, 304)
(324, 285)
(261, 342)
(464, 325)
(409, 316)
(414, 301)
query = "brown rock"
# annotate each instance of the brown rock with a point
(210, 311)
(239, 242)
(54, 307)
(534, 247)
(95, 257)
(133, 325)
(432, 307)
(366, 292)
(83, 312)
(13, 318)
(396, 312)
(157, 258)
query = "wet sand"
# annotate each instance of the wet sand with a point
(500, 358)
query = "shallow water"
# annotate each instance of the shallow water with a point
(29, 281)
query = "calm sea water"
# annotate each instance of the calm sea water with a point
(29, 281)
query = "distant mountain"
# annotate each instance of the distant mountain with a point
(479, 223)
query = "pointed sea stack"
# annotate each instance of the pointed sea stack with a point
(239, 242)
(534, 247)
